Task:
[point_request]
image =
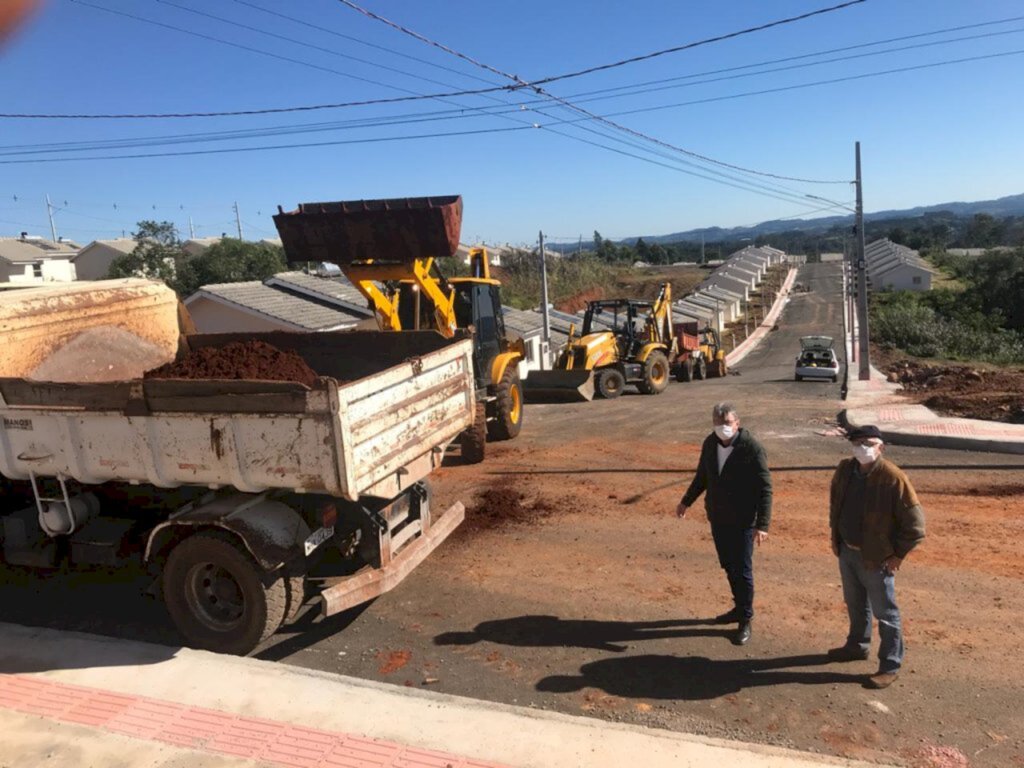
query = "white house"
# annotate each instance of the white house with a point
(32, 260)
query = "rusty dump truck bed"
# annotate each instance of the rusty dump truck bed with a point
(376, 419)
(400, 229)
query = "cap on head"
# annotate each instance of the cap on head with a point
(866, 431)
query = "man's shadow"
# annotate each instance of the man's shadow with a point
(691, 677)
(551, 631)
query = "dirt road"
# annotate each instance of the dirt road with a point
(586, 595)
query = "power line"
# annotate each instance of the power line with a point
(364, 42)
(612, 65)
(591, 115)
(437, 96)
(230, 150)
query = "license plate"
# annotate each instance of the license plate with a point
(318, 537)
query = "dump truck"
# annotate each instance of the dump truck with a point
(623, 341)
(700, 354)
(389, 250)
(250, 501)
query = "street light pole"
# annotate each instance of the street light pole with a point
(862, 280)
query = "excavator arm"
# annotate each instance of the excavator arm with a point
(369, 275)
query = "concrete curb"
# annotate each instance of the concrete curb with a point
(746, 346)
(515, 736)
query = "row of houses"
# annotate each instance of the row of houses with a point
(30, 259)
(891, 266)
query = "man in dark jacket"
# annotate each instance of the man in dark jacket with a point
(733, 474)
(875, 520)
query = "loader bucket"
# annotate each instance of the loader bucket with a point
(559, 386)
(398, 230)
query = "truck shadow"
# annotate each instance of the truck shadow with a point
(551, 631)
(692, 677)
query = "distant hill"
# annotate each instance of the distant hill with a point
(1012, 205)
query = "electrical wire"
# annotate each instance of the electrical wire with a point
(231, 150)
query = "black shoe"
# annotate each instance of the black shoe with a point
(729, 617)
(848, 653)
(742, 636)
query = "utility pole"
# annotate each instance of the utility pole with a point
(49, 212)
(862, 279)
(702, 249)
(238, 222)
(546, 333)
(191, 229)
(579, 248)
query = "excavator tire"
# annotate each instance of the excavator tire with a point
(700, 370)
(508, 407)
(655, 374)
(718, 369)
(474, 440)
(610, 383)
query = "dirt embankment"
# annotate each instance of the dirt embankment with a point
(253, 360)
(963, 391)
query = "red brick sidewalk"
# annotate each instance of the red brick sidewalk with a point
(214, 731)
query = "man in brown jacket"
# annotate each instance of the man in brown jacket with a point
(876, 520)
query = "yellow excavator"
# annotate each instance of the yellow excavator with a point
(623, 341)
(388, 249)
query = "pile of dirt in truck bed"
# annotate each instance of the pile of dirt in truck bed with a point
(253, 360)
(963, 391)
(104, 353)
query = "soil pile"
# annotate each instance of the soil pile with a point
(253, 360)
(503, 506)
(962, 391)
(104, 353)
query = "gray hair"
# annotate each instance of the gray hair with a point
(721, 411)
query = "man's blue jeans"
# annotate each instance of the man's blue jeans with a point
(871, 591)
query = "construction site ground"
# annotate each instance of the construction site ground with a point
(573, 587)
(957, 389)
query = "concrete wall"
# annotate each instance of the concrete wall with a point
(905, 277)
(214, 317)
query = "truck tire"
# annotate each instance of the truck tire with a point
(700, 370)
(610, 383)
(474, 440)
(655, 374)
(508, 407)
(218, 596)
(718, 369)
(684, 371)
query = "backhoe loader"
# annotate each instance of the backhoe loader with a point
(623, 341)
(388, 249)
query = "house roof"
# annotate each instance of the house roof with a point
(337, 291)
(530, 322)
(266, 300)
(14, 250)
(121, 244)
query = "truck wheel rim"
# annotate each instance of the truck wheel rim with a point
(214, 597)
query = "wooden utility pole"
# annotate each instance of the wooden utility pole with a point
(862, 281)
(49, 212)
(238, 222)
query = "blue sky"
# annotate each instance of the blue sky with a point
(928, 135)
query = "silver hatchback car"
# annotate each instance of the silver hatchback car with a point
(817, 359)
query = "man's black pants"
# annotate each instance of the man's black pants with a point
(735, 548)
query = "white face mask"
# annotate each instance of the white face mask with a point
(725, 431)
(866, 454)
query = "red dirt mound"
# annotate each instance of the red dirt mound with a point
(253, 360)
(956, 390)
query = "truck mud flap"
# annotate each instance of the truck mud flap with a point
(364, 586)
(558, 386)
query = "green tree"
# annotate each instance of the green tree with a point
(229, 261)
(157, 255)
